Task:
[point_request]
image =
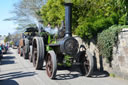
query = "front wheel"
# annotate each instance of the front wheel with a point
(86, 63)
(51, 64)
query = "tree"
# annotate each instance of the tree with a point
(7, 38)
(89, 17)
(53, 12)
(26, 12)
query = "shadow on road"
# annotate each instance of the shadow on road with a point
(100, 74)
(8, 60)
(67, 76)
(9, 52)
(8, 82)
(14, 75)
(9, 57)
(75, 73)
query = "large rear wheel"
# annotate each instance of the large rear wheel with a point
(38, 52)
(51, 64)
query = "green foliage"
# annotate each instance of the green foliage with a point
(11, 43)
(67, 60)
(53, 12)
(107, 39)
(92, 25)
(123, 19)
(89, 17)
(112, 75)
(99, 16)
(7, 39)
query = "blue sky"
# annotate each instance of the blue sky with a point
(6, 6)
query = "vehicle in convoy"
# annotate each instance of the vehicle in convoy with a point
(20, 47)
(58, 50)
(25, 46)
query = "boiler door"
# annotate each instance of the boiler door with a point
(69, 46)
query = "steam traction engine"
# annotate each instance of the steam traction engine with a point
(25, 45)
(54, 50)
(27, 49)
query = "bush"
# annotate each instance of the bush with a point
(107, 40)
(93, 25)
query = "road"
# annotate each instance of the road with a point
(17, 71)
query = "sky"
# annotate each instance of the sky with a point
(6, 6)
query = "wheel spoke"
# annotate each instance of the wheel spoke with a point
(86, 63)
(49, 66)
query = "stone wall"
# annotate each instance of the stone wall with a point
(119, 64)
(120, 55)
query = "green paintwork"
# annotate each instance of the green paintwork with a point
(48, 48)
(49, 39)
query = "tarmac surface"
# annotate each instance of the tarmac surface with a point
(15, 70)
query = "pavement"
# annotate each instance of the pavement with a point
(15, 70)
